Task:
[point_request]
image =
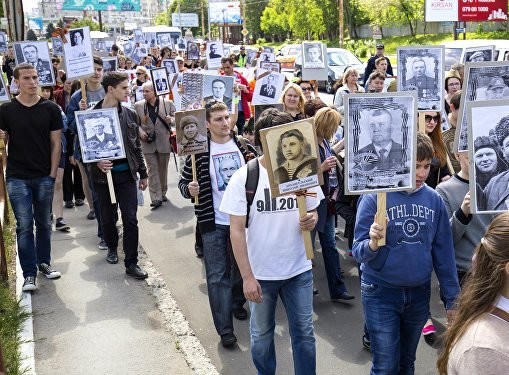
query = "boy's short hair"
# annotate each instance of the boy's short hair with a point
(214, 106)
(19, 67)
(425, 149)
(269, 118)
(113, 79)
(98, 61)
(249, 128)
(456, 99)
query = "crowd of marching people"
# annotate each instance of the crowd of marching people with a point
(252, 249)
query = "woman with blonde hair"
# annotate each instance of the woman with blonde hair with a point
(293, 101)
(477, 340)
(350, 85)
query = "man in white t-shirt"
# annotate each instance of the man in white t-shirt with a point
(271, 267)
(224, 283)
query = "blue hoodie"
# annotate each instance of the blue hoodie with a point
(418, 240)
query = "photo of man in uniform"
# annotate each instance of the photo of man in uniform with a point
(268, 89)
(161, 83)
(497, 89)
(170, 66)
(213, 52)
(192, 140)
(164, 40)
(193, 52)
(100, 141)
(218, 90)
(313, 55)
(297, 164)
(424, 84)
(58, 46)
(43, 67)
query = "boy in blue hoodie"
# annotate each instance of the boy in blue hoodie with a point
(396, 278)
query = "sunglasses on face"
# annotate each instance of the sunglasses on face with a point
(139, 74)
(306, 88)
(428, 118)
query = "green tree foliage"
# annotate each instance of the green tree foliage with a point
(49, 30)
(273, 23)
(394, 12)
(252, 14)
(85, 22)
(31, 35)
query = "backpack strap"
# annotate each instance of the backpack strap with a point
(253, 173)
(242, 142)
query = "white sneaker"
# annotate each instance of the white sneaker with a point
(49, 272)
(29, 284)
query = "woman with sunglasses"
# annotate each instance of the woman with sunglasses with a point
(141, 77)
(350, 85)
(307, 89)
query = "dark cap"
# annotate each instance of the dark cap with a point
(380, 46)
(484, 142)
(496, 83)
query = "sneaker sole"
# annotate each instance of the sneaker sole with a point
(51, 277)
(30, 288)
(136, 276)
(64, 229)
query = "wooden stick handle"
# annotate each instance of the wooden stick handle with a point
(306, 235)
(83, 90)
(193, 165)
(422, 123)
(111, 188)
(381, 215)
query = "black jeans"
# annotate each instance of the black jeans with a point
(127, 199)
(73, 185)
(241, 121)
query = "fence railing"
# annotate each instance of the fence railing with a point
(4, 212)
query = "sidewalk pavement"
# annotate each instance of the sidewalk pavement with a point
(96, 319)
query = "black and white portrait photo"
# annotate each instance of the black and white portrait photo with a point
(488, 152)
(138, 36)
(164, 39)
(100, 135)
(380, 139)
(170, 65)
(268, 88)
(482, 81)
(214, 53)
(57, 46)
(159, 78)
(479, 54)
(219, 88)
(268, 66)
(4, 95)
(267, 57)
(110, 64)
(78, 54)
(191, 96)
(421, 69)
(313, 55)
(193, 51)
(3, 42)
(292, 156)
(191, 132)
(258, 109)
(36, 54)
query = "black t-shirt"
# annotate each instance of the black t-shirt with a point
(29, 152)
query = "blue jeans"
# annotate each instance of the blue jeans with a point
(224, 283)
(31, 200)
(297, 296)
(395, 317)
(331, 258)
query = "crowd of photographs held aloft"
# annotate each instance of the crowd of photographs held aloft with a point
(191, 132)
(57, 46)
(488, 147)
(482, 81)
(37, 54)
(268, 88)
(421, 69)
(100, 135)
(293, 160)
(268, 67)
(78, 56)
(380, 139)
(218, 88)
(159, 78)
(479, 54)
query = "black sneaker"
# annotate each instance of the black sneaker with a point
(49, 272)
(91, 215)
(228, 339)
(240, 313)
(61, 225)
(79, 202)
(69, 204)
(366, 344)
(29, 284)
(102, 245)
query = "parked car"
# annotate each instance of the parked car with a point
(338, 59)
(455, 50)
(287, 55)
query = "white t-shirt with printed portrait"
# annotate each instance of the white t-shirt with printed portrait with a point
(225, 159)
(274, 240)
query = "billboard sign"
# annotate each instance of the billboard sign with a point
(224, 12)
(184, 19)
(113, 5)
(465, 10)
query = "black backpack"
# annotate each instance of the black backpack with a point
(253, 173)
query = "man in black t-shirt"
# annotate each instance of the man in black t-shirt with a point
(32, 126)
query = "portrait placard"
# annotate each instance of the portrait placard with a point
(258, 109)
(138, 36)
(193, 51)
(160, 81)
(110, 64)
(100, 135)
(214, 53)
(192, 97)
(3, 41)
(293, 160)
(421, 69)
(4, 95)
(139, 51)
(268, 67)
(78, 54)
(313, 55)
(311, 69)
(170, 65)
(267, 57)
(164, 39)
(488, 151)
(218, 88)
(57, 46)
(482, 81)
(380, 139)
(268, 88)
(36, 54)
(191, 132)
(479, 54)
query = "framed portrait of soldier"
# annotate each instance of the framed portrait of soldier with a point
(313, 55)
(219, 88)
(110, 64)
(191, 130)
(293, 159)
(479, 54)
(4, 95)
(3, 41)
(260, 108)
(78, 54)
(37, 54)
(164, 39)
(488, 151)
(193, 51)
(421, 69)
(268, 88)
(482, 81)
(57, 46)
(268, 67)
(170, 65)
(214, 53)
(160, 81)
(380, 139)
(100, 135)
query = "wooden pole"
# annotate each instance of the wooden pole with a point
(83, 90)
(306, 235)
(422, 123)
(381, 215)
(193, 165)
(111, 188)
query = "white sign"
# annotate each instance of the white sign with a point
(184, 19)
(441, 10)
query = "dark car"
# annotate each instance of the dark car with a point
(338, 59)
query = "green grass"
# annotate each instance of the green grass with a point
(11, 314)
